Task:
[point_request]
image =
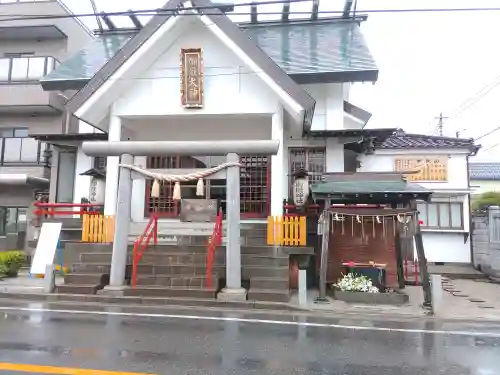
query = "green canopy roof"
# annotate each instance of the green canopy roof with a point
(310, 52)
(368, 187)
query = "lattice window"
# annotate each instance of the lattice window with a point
(254, 184)
(311, 159)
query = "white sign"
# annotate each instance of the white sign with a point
(46, 247)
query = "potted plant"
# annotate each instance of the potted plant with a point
(354, 288)
(10, 263)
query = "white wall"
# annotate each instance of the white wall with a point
(329, 110)
(200, 128)
(230, 87)
(446, 247)
(439, 245)
(82, 183)
(383, 161)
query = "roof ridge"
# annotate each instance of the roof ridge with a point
(438, 137)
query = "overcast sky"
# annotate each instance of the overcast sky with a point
(429, 63)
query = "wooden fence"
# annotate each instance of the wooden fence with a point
(286, 230)
(98, 228)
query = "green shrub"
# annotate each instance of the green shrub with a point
(11, 262)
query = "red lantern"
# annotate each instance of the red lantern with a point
(421, 222)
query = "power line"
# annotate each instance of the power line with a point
(485, 90)
(152, 12)
(489, 148)
(487, 134)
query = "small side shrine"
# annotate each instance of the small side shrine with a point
(367, 217)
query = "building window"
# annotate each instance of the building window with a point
(100, 163)
(17, 68)
(66, 176)
(441, 215)
(16, 147)
(311, 159)
(12, 219)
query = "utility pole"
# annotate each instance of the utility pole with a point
(440, 123)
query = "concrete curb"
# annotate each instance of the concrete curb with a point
(148, 301)
(99, 301)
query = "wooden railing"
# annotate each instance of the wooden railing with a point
(286, 230)
(141, 244)
(98, 228)
(215, 240)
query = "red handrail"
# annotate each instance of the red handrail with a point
(49, 209)
(215, 240)
(141, 244)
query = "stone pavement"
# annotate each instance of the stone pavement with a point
(413, 309)
(25, 284)
(478, 299)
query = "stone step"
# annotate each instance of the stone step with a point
(264, 260)
(145, 269)
(177, 281)
(91, 268)
(157, 257)
(249, 272)
(269, 295)
(78, 288)
(168, 258)
(82, 247)
(163, 291)
(176, 269)
(270, 283)
(87, 278)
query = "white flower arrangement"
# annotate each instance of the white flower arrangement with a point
(354, 283)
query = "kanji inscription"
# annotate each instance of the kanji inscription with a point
(433, 168)
(192, 78)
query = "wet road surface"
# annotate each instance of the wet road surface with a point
(188, 341)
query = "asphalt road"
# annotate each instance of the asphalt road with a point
(175, 342)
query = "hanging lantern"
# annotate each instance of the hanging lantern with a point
(301, 188)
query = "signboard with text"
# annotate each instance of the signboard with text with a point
(192, 78)
(433, 168)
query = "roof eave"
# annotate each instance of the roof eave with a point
(336, 77)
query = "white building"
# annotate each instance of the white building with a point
(442, 165)
(287, 81)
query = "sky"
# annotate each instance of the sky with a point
(429, 63)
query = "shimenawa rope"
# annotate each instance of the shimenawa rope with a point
(157, 177)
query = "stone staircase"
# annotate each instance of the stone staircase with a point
(179, 271)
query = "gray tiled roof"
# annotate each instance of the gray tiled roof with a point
(484, 171)
(332, 51)
(401, 140)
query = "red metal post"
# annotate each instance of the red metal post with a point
(135, 260)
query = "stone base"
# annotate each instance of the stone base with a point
(232, 295)
(113, 291)
(395, 299)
